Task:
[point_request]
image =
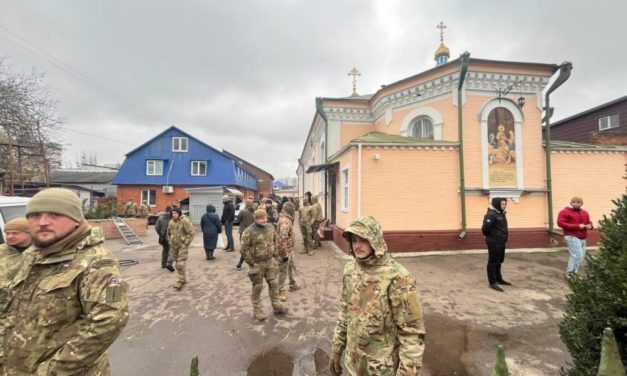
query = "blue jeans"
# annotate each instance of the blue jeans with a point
(577, 249)
(228, 227)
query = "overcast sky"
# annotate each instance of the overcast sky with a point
(243, 75)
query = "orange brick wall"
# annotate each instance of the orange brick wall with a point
(126, 192)
(138, 225)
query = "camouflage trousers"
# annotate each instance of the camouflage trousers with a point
(268, 271)
(286, 268)
(314, 232)
(180, 257)
(307, 240)
(100, 367)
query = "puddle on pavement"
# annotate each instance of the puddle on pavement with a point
(447, 341)
(273, 362)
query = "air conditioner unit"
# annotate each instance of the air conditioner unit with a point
(168, 189)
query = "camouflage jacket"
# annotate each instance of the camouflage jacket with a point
(130, 210)
(65, 309)
(305, 215)
(144, 210)
(259, 243)
(285, 235)
(380, 323)
(10, 259)
(316, 210)
(180, 233)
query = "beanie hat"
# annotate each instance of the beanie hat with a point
(576, 199)
(56, 200)
(248, 203)
(17, 224)
(260, 213)
(225, 198)
(289, 208)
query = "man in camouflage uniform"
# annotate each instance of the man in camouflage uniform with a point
(144, 209)
(317, 217)
(259, 249)
(285, 242)
(130, 209)
(380, 323)
(180, 234)
(18, 238)
(305, 220)
(161, 227)
(67, 302)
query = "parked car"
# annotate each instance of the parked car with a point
(11, 207)
(238, 207)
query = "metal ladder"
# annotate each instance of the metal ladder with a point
(126, 231)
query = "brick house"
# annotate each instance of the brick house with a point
(396, 154)
(160, 170)
(605, 124)
(264, 178)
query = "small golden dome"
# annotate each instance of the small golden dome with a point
(442, 51)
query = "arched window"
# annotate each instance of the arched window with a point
(422, 127)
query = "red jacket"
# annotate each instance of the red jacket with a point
(569, 219)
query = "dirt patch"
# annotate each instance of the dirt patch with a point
(447, 341)
(273, 362)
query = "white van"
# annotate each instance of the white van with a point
(11, 207)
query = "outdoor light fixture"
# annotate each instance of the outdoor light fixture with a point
(505, 91)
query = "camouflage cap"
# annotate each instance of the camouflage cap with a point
(368, 228)
(289, 208)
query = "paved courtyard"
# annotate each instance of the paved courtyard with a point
(211, 317)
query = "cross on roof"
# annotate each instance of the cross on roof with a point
(354, 72)
(441, 26)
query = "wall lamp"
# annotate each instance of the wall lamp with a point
(506, 90)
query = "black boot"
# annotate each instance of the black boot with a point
(210, 255)
(499, 277)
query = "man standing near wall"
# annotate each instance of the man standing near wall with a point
(495, 230)
(317, 217)
(161, 227)
(144, 209)
(285, 243)
(576, 223)
(305, 220)
(228, 217)
(130, 209)
(68, 299)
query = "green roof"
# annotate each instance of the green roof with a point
(567, 145)
(386, 138)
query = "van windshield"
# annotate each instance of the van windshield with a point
(10, 212)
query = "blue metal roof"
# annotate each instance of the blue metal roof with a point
(177, 165)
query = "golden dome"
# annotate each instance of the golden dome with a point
(442, 51)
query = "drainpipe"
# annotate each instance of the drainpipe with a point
(359, 180)
(302, 183)
(326, 152)
(564, 74)
(460, 131)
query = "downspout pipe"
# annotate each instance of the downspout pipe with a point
(358, 180)
(564, 73)
(465, 57)
(320, 111)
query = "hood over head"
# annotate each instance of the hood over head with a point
(313, 200)
(368, 228)
(211, 209)
(496, 204)
(289, 208)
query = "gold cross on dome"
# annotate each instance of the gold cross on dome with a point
(441, 26)
(354, 72)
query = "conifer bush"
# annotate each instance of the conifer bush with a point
(599, 298)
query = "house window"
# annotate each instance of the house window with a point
(179, 144)
(154, 167)
(345, 190)
(607, 122)
(150, 196)
(422, 127)
(199, 168)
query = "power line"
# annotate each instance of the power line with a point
(28, 46)
(100, 137)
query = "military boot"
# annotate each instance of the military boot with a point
(294, 286)
(282, 296)
(279, 309)
(178, 285)
(258, 314)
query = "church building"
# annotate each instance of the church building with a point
(424, 155)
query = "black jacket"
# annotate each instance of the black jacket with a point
(228, 213)
(494, 226)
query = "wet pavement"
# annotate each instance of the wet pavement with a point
(211, 317)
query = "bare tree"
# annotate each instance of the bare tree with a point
(30, 128)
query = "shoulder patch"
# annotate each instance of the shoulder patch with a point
(103, 263)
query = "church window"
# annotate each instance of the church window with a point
(607, 122)
(422, 127)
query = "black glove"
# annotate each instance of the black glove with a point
(285, 258)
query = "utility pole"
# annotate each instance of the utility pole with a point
(43, 155)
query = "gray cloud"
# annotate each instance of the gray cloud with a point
(243, 75)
